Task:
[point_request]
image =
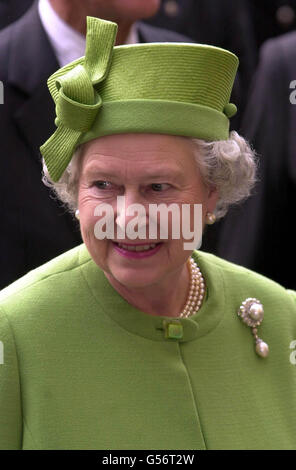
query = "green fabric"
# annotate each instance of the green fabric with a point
(119, 117)
(77, 102)
(83, 369)
(112, 89)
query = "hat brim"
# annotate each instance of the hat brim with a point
(158, 117)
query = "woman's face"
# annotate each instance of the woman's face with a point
(147, 169)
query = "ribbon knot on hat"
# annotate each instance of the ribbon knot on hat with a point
(77, 101)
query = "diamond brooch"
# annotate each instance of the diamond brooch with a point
(252, 313)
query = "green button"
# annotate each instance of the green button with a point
(173, 329)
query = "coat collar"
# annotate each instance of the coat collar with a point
(149, 326)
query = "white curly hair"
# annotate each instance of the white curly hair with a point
(228, 165)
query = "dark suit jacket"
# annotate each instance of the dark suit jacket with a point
(11, 10)
(261, 234)
(34, 226)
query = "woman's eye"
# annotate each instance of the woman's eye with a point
(102, 184)
(160, 186)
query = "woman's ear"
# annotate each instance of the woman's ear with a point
(213, 197)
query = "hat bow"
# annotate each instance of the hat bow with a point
(77, 101)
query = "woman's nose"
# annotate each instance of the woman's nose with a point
(131, 207)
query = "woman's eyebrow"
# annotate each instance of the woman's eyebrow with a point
(94, 172)
(154, 174)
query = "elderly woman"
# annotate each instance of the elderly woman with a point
(141, 342)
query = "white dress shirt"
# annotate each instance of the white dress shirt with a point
(67, 43)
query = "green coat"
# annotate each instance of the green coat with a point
(83, 369)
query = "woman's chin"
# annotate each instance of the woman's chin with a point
(134, 279)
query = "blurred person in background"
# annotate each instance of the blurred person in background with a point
(260, 234)
(35, 227)
(272, 18)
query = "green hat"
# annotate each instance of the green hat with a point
(163, 88)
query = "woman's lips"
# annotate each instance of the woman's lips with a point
(136, 254)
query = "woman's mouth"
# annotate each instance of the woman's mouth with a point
(137, 250)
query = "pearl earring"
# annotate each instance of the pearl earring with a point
(77, 214)
(210, 218)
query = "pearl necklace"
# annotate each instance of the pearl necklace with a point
(196, 291)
